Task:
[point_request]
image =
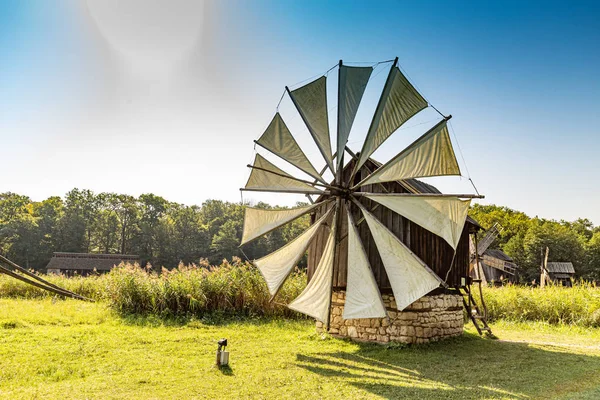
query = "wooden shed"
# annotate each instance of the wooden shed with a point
(430, 248)
(561, 272)
(70, 264)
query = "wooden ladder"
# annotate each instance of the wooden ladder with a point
(478, 315)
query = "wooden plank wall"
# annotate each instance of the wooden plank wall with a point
(433, 250)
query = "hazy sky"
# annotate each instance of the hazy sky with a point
(167, 96)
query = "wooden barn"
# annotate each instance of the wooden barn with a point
(561, 272)
(83, 264)
(430, 248)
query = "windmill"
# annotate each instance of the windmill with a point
(343, 203)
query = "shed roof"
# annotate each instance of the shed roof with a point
(561, 267)
(498, 254)
(89, 261)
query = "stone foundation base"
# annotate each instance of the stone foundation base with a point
(428, 319)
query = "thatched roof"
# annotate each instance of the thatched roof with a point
(560, 267)
(89, 261)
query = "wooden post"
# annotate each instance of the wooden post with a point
(544, 278)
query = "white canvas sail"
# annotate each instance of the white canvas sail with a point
(278, 139)
(258, 221)
(279, 181)
(363, 299)
(352, 84)
(315, 299)
(276, 266)
(444, 216)
(409, 276)
(398, 103)
(430, 155)
(311, 102)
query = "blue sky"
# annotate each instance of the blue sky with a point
(166, 97)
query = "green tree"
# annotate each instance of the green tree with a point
(564, 245)
(592, 250)
(152, 210)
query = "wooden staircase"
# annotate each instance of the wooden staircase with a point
(477, 314)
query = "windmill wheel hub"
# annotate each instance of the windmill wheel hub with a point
(342, 192)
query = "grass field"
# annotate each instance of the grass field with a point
(69, 349)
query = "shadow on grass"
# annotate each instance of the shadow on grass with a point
(213, 319)
(469, 367)
(226, 370)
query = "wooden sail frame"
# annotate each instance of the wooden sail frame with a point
(394, 99)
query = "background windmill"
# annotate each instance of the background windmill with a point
(361, 238)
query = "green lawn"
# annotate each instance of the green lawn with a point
(70, 349)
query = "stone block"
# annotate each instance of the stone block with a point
(419, 331)
(408, 316)
(383, 338)
(352, 332)
(371, 330)
(365, 322)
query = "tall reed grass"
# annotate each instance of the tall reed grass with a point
(237, 288)
(577, 305)
(189, 290)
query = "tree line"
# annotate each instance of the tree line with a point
(164, 233)
(524, 238)
(161, 232)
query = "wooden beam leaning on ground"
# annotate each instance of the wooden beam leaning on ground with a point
(41, 283)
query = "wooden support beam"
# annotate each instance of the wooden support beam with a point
(462, 196)
(61, 292)
(36, 277)
(285, 191)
